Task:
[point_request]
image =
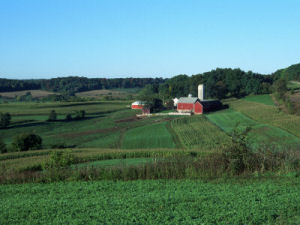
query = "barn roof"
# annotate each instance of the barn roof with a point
(138, 103)
(187, 100)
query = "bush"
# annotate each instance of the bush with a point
(68, 117)
(59, 160)
(3, 148)
(4, 120)
(52, 116)
(57, 164)
(27, 141)
(80, 114)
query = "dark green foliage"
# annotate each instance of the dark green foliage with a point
(80, 114)
(3, 148)
(149, 95)
(69, 117)
(71, 85)
(27, 141)
(280, 87)
(4, 120)
(52, 116)
(219, 83)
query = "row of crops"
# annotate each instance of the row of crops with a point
(198, 133)
(152, 202)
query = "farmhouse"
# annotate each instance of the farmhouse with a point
(197, 105)
(137, 105)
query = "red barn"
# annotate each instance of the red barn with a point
(196, 106)
(137, 105)
(189, 104)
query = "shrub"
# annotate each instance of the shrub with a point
(80, 114)
(59, 160)
(3, 148)
(4, 120)
(52, 116)
(57, 164)
(69, 117)
(27, 141)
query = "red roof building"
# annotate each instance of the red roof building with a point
(196, 106)
(137, 105)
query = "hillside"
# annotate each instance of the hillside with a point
(290, 73)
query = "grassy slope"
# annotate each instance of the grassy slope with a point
(268, 115)
(260, 134)
(150, 136)
(153, 202)
(264, 99)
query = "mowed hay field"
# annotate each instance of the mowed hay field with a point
(153, 202)
(121, 93)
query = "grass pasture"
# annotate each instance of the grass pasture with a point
(267, 114)
(153, 202)
(259, 135)
(264, 99)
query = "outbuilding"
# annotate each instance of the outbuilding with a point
(137, 105)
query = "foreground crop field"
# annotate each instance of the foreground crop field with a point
(153, 202)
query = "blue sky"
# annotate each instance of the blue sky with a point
(143, 38)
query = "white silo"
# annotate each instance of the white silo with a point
(201, 91)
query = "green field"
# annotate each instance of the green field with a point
(259, 135)
(264, 99)
(153, 202)
(198, 133)
(267, 114)
(150, 136)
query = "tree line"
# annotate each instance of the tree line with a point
(71, 85)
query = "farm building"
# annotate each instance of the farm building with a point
(137, 105)
(198, 105)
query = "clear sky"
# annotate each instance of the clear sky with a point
(145, 38)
